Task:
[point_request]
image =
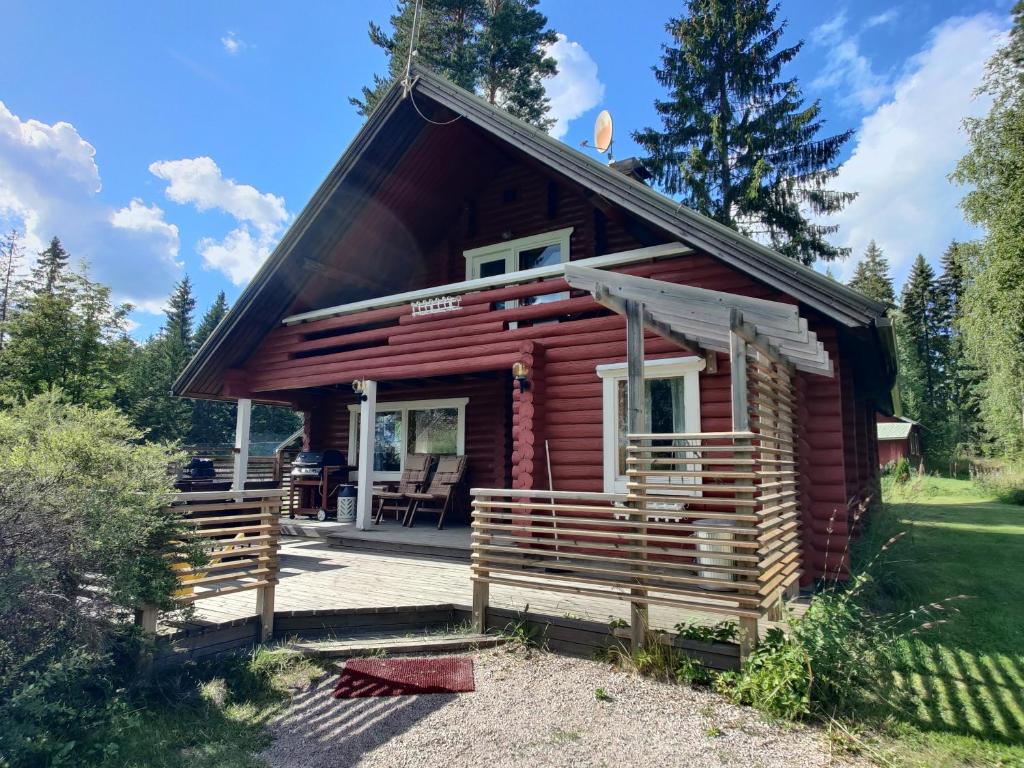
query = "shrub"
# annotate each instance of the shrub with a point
(898, 470)
(1004, 481)
(775, 679)
(83, 540)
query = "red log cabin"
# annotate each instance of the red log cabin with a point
(432, 259)
(898, 438)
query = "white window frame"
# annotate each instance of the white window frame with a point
(512, 248)
(611, 374)
(404, 406)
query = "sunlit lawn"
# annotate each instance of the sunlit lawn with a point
(960, 686)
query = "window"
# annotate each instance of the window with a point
(416, 426)
(543, 250)
(672, 404)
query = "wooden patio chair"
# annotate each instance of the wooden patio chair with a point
(440, 496)
(414, 478)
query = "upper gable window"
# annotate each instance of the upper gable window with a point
(542, 250)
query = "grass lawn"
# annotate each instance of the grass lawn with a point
(959, 686)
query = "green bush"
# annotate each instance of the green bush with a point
(1004, 481)
(898, 470)
(83, 539)
(775, 679)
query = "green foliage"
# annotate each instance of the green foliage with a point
(1003, 481)
(496, 48)
(83, 540)
(722, 632)
(602, 695)
(872, 276)
(775, 679)
(738, 142)
(898, 470)
(993, 301)
(690, 671)
(64, 331)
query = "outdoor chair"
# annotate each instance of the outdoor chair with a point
(441, 495)
(414, 478)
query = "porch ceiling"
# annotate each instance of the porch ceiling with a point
(705, 318)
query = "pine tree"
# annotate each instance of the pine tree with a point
(737, 141)
(51, 269)
(11, 254)
(962, 379)
(493, 47)
(180, 310)
(212, 421)
(872, 276)
(213, 316)
(64, 332)
(922, 358)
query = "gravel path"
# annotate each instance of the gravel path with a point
(537, 709)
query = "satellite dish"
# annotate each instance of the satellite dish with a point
(603, 131)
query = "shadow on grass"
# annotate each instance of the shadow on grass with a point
(965, 676)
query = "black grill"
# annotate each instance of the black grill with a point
(310, 464)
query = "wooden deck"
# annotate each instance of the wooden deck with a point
(389, 536)
(316, 574)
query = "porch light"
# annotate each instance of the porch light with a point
(521, 373)
(358, 387)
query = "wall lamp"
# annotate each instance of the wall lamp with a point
(358, 387)
(521, 373)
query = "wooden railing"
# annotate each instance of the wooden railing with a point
(708, 525)
(231, 545)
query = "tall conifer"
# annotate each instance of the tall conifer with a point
(737, 141)
(496, 48)
(872, 276)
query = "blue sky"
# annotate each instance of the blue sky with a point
(160, 139)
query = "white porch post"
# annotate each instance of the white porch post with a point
(367, 440)
(241, 451)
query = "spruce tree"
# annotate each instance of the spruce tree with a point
(51, 269)
(496, 48)
(737, 142)
(213, 421)
(922, 357)
(872, 276)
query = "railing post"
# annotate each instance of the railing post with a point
(635, 424)
(741, 423)
(265, 595)
(481, 588)
(240, 467)
(146, 618)
(367, 443)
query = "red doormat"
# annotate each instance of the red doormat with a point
(404, 677)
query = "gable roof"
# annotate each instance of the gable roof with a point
(267, 298)
(894, 430)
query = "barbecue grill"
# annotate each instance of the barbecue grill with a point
(309, 465)
(315, 478)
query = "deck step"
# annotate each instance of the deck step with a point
(394, 646)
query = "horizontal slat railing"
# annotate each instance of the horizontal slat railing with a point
(709, 524)
(237, 536)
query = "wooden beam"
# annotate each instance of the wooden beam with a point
(738, 377)
(636, 422)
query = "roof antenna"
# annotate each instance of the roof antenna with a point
(602, 135)
(413, 33)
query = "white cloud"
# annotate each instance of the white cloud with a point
(906, 148)
(233, 44)
(49, 185)
(846, 68)
(881, 19)
(261, 216)
(576, 88)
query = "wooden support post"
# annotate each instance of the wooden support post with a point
(636, 422)
(146, 618)
(367, 445)
(748, 636)
(481, 589)
(265, 610)
(741, 423)
(241, 450)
